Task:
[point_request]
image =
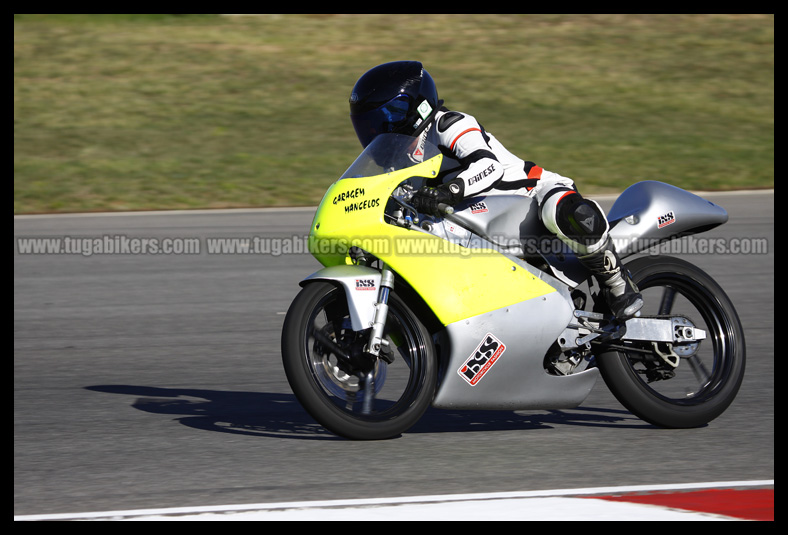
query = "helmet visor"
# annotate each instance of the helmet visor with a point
(384, 119)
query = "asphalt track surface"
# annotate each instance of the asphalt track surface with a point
(153, 381)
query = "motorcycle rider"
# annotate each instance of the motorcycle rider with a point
(401, 97)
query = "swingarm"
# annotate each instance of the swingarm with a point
(668, 337)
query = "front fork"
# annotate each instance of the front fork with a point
(376, 341)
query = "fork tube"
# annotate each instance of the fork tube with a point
(381, 312)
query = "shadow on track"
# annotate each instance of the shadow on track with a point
(280, 415)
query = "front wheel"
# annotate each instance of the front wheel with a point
(709, 372)
(348, 391)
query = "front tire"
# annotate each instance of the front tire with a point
(332, 389)
(708, 376)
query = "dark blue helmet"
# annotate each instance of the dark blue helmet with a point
(398, 97)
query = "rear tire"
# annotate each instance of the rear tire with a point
(331, 390)
(708, 378)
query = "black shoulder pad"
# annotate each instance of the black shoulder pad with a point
(449, 119)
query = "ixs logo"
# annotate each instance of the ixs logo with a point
(479, 363)
(665, 220)
(365, 284)
(478, 208)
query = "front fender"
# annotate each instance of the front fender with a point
(361, 285)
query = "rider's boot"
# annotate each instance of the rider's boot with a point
(619, 290)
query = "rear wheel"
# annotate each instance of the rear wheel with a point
(709, 371)
(348, 391)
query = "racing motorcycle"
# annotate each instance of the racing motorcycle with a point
(479, 309)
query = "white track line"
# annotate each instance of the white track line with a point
(561, 504)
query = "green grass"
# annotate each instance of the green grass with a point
(132, 112)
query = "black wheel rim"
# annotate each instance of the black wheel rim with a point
(397, 384)
(702, 374)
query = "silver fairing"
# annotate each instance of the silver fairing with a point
(496, 359)
(650, 212)
(506, 221)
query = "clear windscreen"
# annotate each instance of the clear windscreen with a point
(388, 153)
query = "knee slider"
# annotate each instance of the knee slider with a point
(580, 220)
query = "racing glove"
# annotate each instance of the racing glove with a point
(428, 200)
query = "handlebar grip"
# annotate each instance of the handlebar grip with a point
(445, 208)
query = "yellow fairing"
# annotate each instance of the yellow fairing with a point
(455, 281)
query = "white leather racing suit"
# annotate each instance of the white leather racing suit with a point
(488, 168)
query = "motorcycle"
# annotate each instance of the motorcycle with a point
(477, 309)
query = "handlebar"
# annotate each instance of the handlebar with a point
(403, 201)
